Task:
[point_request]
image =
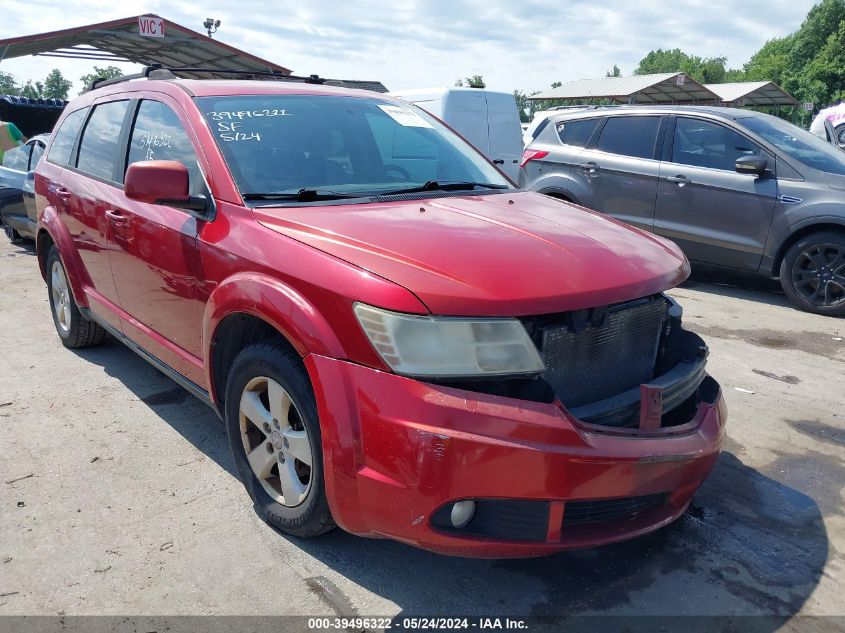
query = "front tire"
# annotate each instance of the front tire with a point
(813, 273)
(74, 330)
(11, 233)
(274, 434)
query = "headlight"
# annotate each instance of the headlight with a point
(449, 347)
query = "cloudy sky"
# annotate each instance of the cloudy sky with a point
(418, 43)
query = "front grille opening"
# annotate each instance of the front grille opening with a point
(592, 355)
(610, 510)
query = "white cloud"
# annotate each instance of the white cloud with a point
(418, 43)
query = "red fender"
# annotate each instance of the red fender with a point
(50, 222)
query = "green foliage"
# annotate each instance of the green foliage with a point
(108, 72)
(809, 63)
(707, 70)
(769, 63)
(615, 72)
(557, 84)
(8, 85)
(32, 90)
(476, 81)
(525, 107)
(56, 86)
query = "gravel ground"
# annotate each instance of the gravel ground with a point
(118, 494)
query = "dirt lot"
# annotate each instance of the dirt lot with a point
(119, 496)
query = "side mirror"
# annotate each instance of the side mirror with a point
(162, 182)
(751, 165)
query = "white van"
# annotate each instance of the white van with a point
(489, 120)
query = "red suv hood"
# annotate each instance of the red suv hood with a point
(493, 255)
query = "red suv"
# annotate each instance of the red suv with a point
(400, 342)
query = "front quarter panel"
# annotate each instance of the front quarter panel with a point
(305, 294)
(801, 205)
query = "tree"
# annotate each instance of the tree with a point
(8, 85)
(476, 81)
(459, 83)
(709, 70)
(769, 63)
(615, 72)
(557, 84)
(56, 86)
(32, 90)
(109, 72)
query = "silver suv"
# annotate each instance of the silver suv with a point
(735, 189)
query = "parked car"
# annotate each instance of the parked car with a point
(486, 118)
(453, 363)
(829, 124)
(541, 119)
(18, 213)
(735, 189)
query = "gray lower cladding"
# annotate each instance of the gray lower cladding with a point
(678, 384)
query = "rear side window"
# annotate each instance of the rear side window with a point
(98, 149)
(630, 136)
(158, 135)
(17, 158)
(66, 136)
(704, 144)
(576, 133)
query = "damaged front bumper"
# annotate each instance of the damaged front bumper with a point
(398, 453)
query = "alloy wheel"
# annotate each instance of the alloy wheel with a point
(61, 296)
(818, 274)
(276, 441)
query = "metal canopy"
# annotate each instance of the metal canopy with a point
(120, 41)
(662, 88)
(752, 93)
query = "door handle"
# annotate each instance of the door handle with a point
(63, 193)
(498, 161)
(116, 217)
(589, 167)
(679, 180)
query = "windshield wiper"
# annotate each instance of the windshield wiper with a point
(303, 195)
(444, 185)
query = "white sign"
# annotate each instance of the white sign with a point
(808, 106)
(405, 116)
(680, 80)
(150, 26)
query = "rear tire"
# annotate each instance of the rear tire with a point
(74, 330)
(812, 273)
(274, 432)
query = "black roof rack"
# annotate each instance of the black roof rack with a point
(157, 71)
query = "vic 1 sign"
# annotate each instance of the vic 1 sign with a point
(150, 26)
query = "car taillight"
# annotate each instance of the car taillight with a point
(532, 154)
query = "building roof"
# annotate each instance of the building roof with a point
(121, 41)
(661, 88)
(749, 93)
(358, 84)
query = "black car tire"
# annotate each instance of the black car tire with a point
(11, 233)
(274, 362)
(77, 331)
(816, 261)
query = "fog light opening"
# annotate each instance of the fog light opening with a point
(462, 513)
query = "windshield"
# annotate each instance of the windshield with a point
(340, 147)
(798, 144)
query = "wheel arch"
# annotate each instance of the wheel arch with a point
(800, 232)
(252, 307)
(52, 231)
(560, 194)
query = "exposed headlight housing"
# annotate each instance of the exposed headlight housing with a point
(450, 347)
